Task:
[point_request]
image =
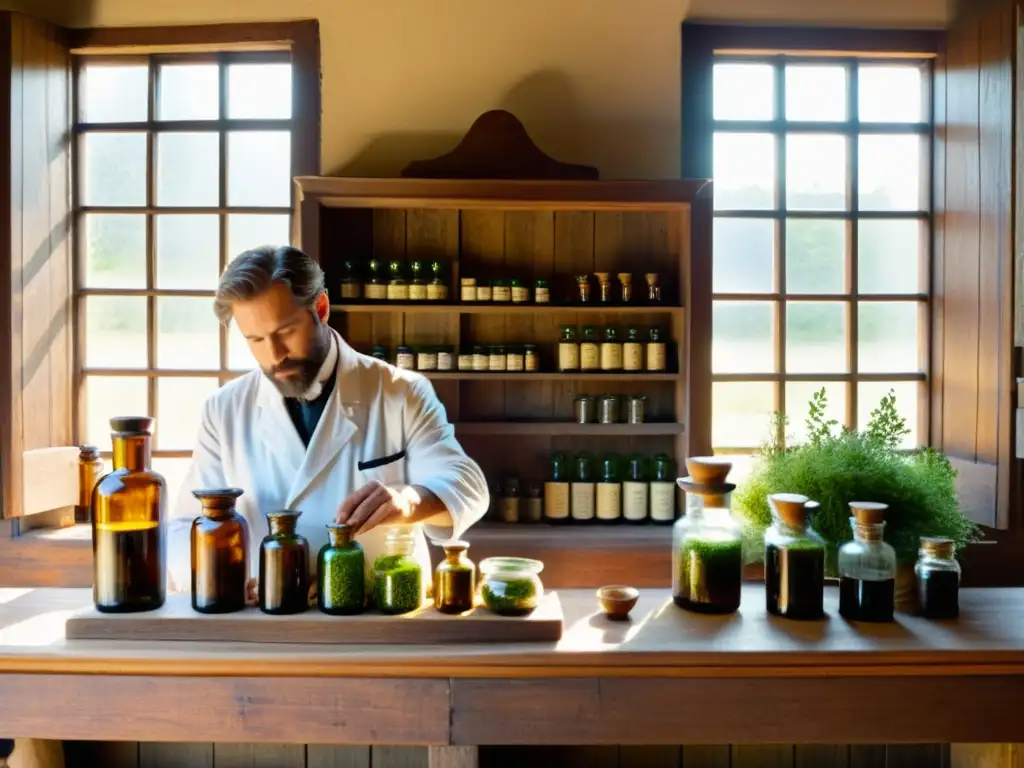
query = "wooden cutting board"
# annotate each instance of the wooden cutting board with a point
(177, 621)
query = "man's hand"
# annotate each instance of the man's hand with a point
(252, 594)
(376, 504)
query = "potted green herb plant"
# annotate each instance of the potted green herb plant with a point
(836, 466)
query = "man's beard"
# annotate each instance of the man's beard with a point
(306, 369)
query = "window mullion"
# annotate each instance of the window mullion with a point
(853, 237)
(151, 234)
(780, 241)
(222, 63)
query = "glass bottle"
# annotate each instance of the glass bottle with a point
(867, 567)
(405, 358)
(484, 290)
(511, 586)
(556, 490)
(635, 489)
(534, 503)
(398, 286)
(466, 359)
(520, 291)
(663, 489)
(496, 360)
(501, 291)
(340, 573)
(351, 287)
(590, 353)
(542, 291)
(584, 477)
(609, 490)
(220, 553)
(938, 579)
(284, 566)
(397, 575)
(604, 281)
(633, 351)
(90, 470)
(129, 543)
(626, 283)
(418, 285)
(510, 497)
(376, 287)
(657, 356)
(380, 352)
(611, 350)
(653, 288)
(514, 359)
(568, 350)
(446, 358)
(455, 580)
(481, 359)
(426, 358)
(583, 289)
(437, 288)
(794, 559)
(531, 360)
(707, 543)
(468, 289)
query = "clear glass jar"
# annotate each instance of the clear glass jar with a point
(867, 567)
(626, 283)
(398, 286)
(376, 287)
(938, 579)
(520, 291)
(340, 573)
(542, 291)
(794, 559)
(351, 287)
(611, 350)
(397, 575)
(531, 360)
(590, 352)
(496, 360)
(284, 566)
(707, 542)
(568, 350)
(604, 282)
(455, 579)
(501, 292)
(583, 289)
(511, 586)
(418, 284)
(220, 553)
(653, 288)
(467, 287)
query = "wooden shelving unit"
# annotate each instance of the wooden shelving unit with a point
(525, 428)
(467, 308)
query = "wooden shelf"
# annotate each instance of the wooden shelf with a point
(567, 428)
(577, 535)
(483, 308)
(549, 376)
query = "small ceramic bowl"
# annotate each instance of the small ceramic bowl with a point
(617, 600)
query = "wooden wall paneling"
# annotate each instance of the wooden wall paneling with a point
(986, 756)
(398, 757)
(936, 275)
(453, 757)
(14, 441)
(698, 327)
(650, 757)
(259, 756)
(389, 236)
(916, 756)
(175, 754)
(92, 754)
(762, 756)
(331, 756)
(706, 756)
(867, 756)
(821, 756)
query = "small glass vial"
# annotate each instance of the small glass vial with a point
(626, 287)
(284, 566)
(351, 287)
(657, 356)
(426, 359)
(609, 490)
(568, 350)
(583, 289)
(481, 360)
(794, 559)
(663, 489)
(501, 292)
(867, 567)
(531, 360)
(220, 553)
(446, 359)
(455, 579)
(405, 358)
(467, 289)
(340, 577)
(590, 352)
(611, 350)
(418, 284)
(938, 579)
(635, 490)
(510, 497)
(542, 291)
(398, 286)
(437, 288)
(496, 361)
(556, 489)
(514, 359)
(604, 281)
(583, 491)
(375, 288)
(653, 288)
(380, 352)
(397, 575)
(484, 291)
(534, 503)
(633, 351)
(520, 291)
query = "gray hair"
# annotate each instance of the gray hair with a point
(254, 272)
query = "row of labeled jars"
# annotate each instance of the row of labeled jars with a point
(522, 358)
(395, 281)
(707, 558)
(590, 349)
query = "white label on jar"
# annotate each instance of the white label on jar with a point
(541, 295)
(663, 501)
(497, 363)
(633, 356)
(582, 501)
(483, 293)
(556, 500)
(444, 361)
(376, 291)
(656, 356)
(568, 356)
(611, 356)
(502, 293)
(350, 290)
(406, 360)
(590, 356)
(418, 292)
(480, 362)
(531, 361)
(469, 293)
(609, 501)
(427, 361)
(398, 292)
(634, 500)
(438, 292)
(514, 362)
(520, 294)
(465, 362)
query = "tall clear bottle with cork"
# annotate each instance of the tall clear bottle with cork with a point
(867, 567)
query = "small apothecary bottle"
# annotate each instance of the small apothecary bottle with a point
(657, 355)
(583, 289)
(556, 490)
(437, 288)
(398, 286)
(481, 358)
(284, 566)
(663, 489)
(351, 288)
(635, 490)
(590, 352)
(533, 509)
(496, 360)
(511, 586)
(501, 291)
(405, 358)
(938, 579)
(90, 470)
(418, 284)
(653, 288)
(220, 553)
(583, 491)
(707, 543)
(520, 291)
(626, 283)
(511, 495)
(455, 579)
(794, 559)
(397, 575)
(376, 287)
(867, 567)
(609, 490)
(129, 543)
(611, 350)
(340, 573)
(542, 291)
(380, 352)
(484, 291)
(604, 281)
(531, 360)
(633, 351)
(467, 289)
(568, 350)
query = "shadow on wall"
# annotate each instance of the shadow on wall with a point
(548, 106)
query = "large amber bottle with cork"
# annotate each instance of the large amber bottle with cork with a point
(128, 524)
(220, 553)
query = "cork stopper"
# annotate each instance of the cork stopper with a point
(88, 453)
(936, 547)
(339, 534)
(793, 509)
(708, 470)
(868, 512)
(132, 426)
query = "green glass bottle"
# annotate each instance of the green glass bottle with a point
(583, 491)
(663, 490)
(437, 288)
(376, 287)
(418, 284)
(609, 490)
(341, 581)
(556, 490)
(635, 490)
(351, 287)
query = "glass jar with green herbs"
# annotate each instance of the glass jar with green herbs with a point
(455, 580)
(341, 584)
(397, 575)
(511, 586)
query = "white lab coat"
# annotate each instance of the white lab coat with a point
(247, 440)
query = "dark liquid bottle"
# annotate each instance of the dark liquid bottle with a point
(938, 579)
(128, 539)
(867, 567)
(794, 560)
(284, 566)
(220, 553)
(340, 573)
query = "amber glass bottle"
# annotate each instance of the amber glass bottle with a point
(220, 552)
(129, 545)
(284, 566)
(90, 470)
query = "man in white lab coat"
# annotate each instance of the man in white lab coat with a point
(320, 428)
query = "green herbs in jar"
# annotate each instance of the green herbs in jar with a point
(511, 585)
(397, 584)
(341, 588)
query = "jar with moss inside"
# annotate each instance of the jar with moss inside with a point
(340, 580)
(455, 580)
(794, 559)
(511, 586)
(707, 543)
(397, 575)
